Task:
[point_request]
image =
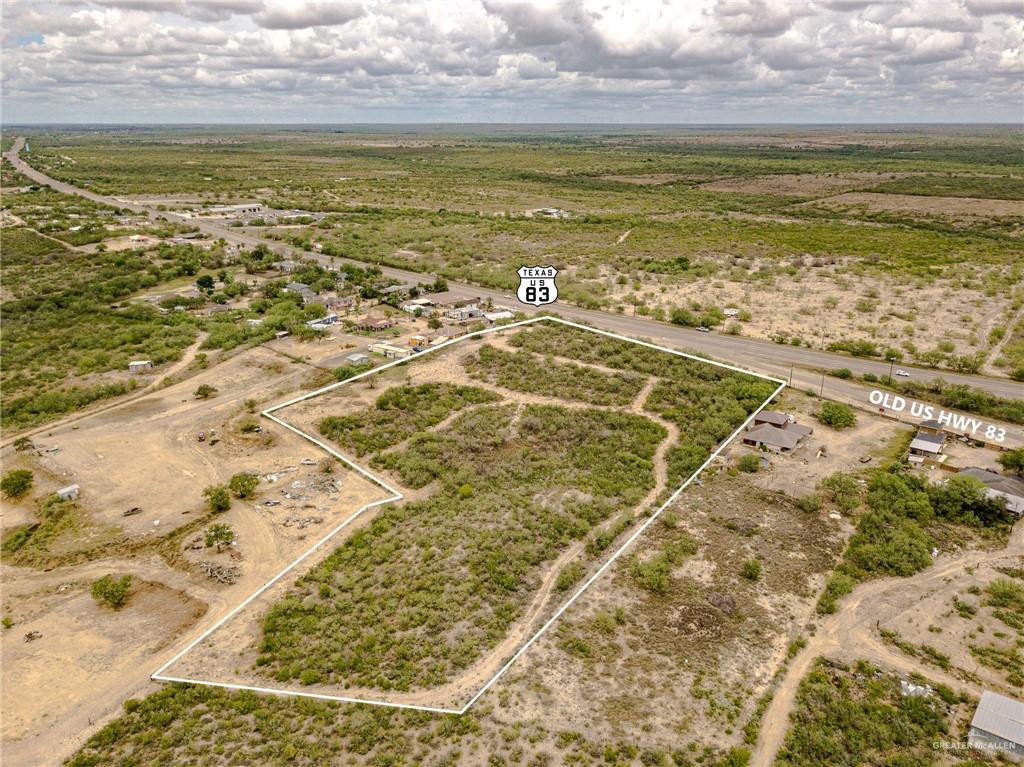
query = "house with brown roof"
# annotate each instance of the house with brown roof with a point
(374, 323)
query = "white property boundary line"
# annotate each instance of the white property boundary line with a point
(158, 675)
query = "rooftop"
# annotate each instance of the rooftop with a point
(1000, 716)
(771, 435)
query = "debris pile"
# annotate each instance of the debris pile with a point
(221, 573)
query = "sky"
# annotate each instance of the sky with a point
(452, 61)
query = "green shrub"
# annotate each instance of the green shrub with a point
(219, 534)
(16, 483)
(749, 463)
(1012, 460)
(204, 391)
(112, 591)
(837, 415)
(751, 570)
(842, 490)
(243, 485)
(218, 497)
(568, 576)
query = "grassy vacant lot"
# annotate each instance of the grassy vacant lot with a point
(909, 238)
(707, 402)
(432, 584)
(506, 484)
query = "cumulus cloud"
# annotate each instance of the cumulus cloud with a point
(290, 15)
(551, 60)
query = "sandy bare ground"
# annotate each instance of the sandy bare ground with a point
(853, 632)
(865, 307)
(60, 687)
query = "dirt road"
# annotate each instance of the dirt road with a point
(852, 634)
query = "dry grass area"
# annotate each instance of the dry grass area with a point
(915, 316)
(954, 208)
(803, 184)
(688, 664)
(971, 624)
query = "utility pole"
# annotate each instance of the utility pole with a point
(822, 392)
(790, 376)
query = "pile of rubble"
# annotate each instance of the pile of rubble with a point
(221, 573)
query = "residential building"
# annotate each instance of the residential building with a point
(464, 313)
(998, 726)
(390, 351)
(339, 303)
(357, 358)
(323, 322)
(1008, 489)
(927, 446)
(772, 438)
(374, 323)
(404, 288)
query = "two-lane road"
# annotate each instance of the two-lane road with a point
(763, 356)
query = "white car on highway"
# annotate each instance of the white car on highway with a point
(903, 374)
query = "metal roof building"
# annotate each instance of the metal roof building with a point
(998, 725)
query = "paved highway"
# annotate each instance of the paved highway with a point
(778, 360)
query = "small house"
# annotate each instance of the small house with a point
(253, 322)
(772, 438)
(403, 289)
(998, 486)
(69, 493)
(390, 351)
(374, 323)
(340, 303)
(357, 358)
(930, 427)
(927, 446)
(140, 366)
(464, 313)
(998, 725)
(418, 340)
(447, 333)
(286, 266)
(323, 322)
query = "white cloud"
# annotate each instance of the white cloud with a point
(595, 60)
(291, 15)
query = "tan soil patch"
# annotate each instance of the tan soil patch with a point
(802, 184)
(83, 647)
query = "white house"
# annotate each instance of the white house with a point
(464, 313)
(329, 319)
(357, 358)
